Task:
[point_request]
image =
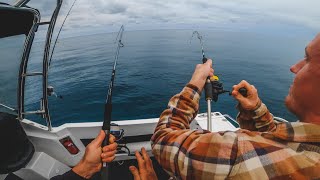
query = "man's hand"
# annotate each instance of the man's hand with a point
(109, 151)
(146, 171)
(201, 73)
(91, 161)
(251, 101)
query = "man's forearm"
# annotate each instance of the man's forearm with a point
(259, 119)
(182, 109)
(174, 125)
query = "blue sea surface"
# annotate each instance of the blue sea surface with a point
(155, 65)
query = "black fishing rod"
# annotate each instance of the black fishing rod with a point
(212, 86)
(108, 106)
(208, 86)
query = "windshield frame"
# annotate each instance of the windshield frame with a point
(22, 5)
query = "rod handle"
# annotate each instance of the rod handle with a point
(207, 86)
(208, 89)
(105, 166)
(204, 60)
(105, 173)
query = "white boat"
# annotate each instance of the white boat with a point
(33, 151)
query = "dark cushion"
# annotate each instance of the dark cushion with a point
(16, 150)
(15, 21)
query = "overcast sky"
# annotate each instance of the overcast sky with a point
(95, 16)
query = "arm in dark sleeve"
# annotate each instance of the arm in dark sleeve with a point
(70, 175)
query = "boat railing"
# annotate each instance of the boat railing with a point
(23, 74)
(231, 119)
(228, 117)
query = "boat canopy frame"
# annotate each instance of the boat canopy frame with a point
(22, 5)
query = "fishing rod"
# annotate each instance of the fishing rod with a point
(201, 44)
(108, 105)
(208, 86)
(212, 86)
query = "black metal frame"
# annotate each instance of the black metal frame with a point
(46, 62)
(24, 63)
(44, 108)
(44, 101)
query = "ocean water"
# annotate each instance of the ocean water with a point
(155, 65)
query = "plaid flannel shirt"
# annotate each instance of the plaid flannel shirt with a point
(266, 151)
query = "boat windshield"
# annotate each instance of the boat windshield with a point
(11, 49)
(11, 2)
(17, 20)
(15, 26)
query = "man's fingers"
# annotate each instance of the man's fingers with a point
(110, 147)
(146, 158)
(236, 94)
(112, 139)
(134, 172)
(209, 62)
(211, 72)
(144, 154)
(99, 139)
(245, 84)
(242, 84)
(141, 163)
(108, 154)
(108, 159)
(254, 89)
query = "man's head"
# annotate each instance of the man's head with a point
(304, 94)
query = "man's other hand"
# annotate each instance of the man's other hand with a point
(145, 171)
(251, 101)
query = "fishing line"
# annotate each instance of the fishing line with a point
(55, 42)
(200, 39)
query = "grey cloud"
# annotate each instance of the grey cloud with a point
(95, 13)
(117, 9)
(110, 8)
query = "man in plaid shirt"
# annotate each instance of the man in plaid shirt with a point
(262, 148)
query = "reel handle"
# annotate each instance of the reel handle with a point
(243, 91)
(208, 88)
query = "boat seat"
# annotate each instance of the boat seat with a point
(15, 21)
(16, 150)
